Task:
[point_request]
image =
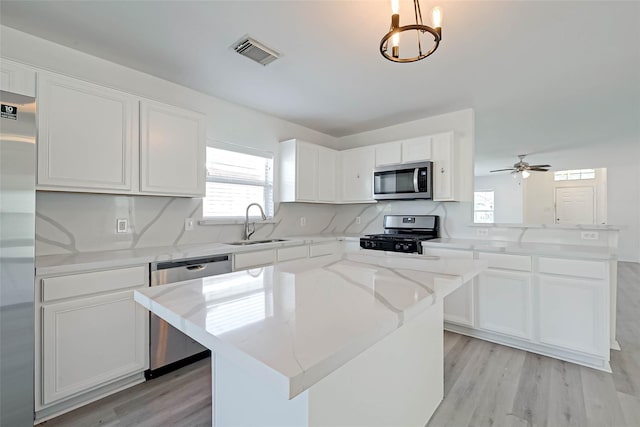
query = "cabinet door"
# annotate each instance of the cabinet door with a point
(573, 314)
(90, 342)
(357, 174)
(458, 305)
(306, 172)
(504, 301)
(327, 171)
(388, 154)
(416, 149)
(86, 135)
(172, 150)
(17, 79)
(443, 164)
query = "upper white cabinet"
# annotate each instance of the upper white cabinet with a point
(389, 153)
(357, 174)
(17, 78)
(86, 135)
(444, 173)
(172, 147)
(406, 151)
(96, 139)
(416, 149)
(307, 172)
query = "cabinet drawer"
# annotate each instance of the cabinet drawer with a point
(447, 253)
(75, 285)
(253, 259)
(296, 252)
(573, 267)
(507, 262)
(321, 249)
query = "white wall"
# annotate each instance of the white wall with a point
(508, 196)
(539, 196)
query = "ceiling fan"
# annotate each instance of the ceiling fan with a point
(524, 168)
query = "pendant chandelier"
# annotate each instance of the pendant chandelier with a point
(393, 36)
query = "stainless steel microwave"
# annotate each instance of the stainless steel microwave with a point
(405, 181)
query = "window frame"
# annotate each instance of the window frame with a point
(267, 187)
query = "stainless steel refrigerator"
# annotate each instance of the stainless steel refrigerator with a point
(17, 236)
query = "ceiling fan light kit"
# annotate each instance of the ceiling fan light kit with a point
(523, 168)
(418, 27)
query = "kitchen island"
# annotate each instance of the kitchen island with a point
(349, 339)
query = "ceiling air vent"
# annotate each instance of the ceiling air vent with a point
(255, 50)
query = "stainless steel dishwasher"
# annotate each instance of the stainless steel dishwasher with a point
(170, 349)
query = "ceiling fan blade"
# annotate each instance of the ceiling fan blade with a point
(500, 170)
(539, 166)
(538, 170)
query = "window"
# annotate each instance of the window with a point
(483, 207)
(574, 174)
(236, 179)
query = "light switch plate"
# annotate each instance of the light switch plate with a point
(303, 221)
(357, 220)
(122, 225)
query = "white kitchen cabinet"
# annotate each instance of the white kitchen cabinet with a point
(389, 153)
(90, 341)
(244, 260)
(572, 314)
(327, 174)
(307, 172)
(459, 306)
(17, 78)
(504, 302)
(172, 150)
(444, 173)
(91, 337)
(416, 149)
(357, 174)
(87, 136)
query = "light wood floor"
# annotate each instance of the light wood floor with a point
(485, 385)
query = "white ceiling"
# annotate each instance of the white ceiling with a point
(540, 75)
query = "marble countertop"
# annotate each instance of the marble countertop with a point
(525, 248)
(551, 226)
(295, 322)
(71, 263)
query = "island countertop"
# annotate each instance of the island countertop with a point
(294, 323)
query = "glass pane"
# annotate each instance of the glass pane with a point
(573, 174)
(483, 201)
(560, 176)
(588, 173)
(483, 217)
(228, 200)
(229, 164)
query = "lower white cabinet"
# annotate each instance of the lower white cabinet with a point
(504, 302)
(260, 258)
(87, 342)
(572, 313)
(92, 338)
(459, 306)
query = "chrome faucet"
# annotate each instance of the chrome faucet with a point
(247, 234)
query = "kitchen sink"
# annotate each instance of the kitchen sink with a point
(255, 242)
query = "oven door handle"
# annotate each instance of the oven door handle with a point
(415, 180)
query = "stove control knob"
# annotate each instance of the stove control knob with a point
(398, 246)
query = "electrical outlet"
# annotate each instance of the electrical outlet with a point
(188, 224)
(122, 225)
(590, 235)
(482, 232)
(357, 220)
(303, 221)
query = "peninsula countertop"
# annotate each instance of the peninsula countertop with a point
(295, 322)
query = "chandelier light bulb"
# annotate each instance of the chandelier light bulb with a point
(395, 40)
(395, 7)
(436, 13)
(525, 174)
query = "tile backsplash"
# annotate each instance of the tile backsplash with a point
(77, 222)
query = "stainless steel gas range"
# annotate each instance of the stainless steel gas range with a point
(403, 233)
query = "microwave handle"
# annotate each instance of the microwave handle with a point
(415, 180)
